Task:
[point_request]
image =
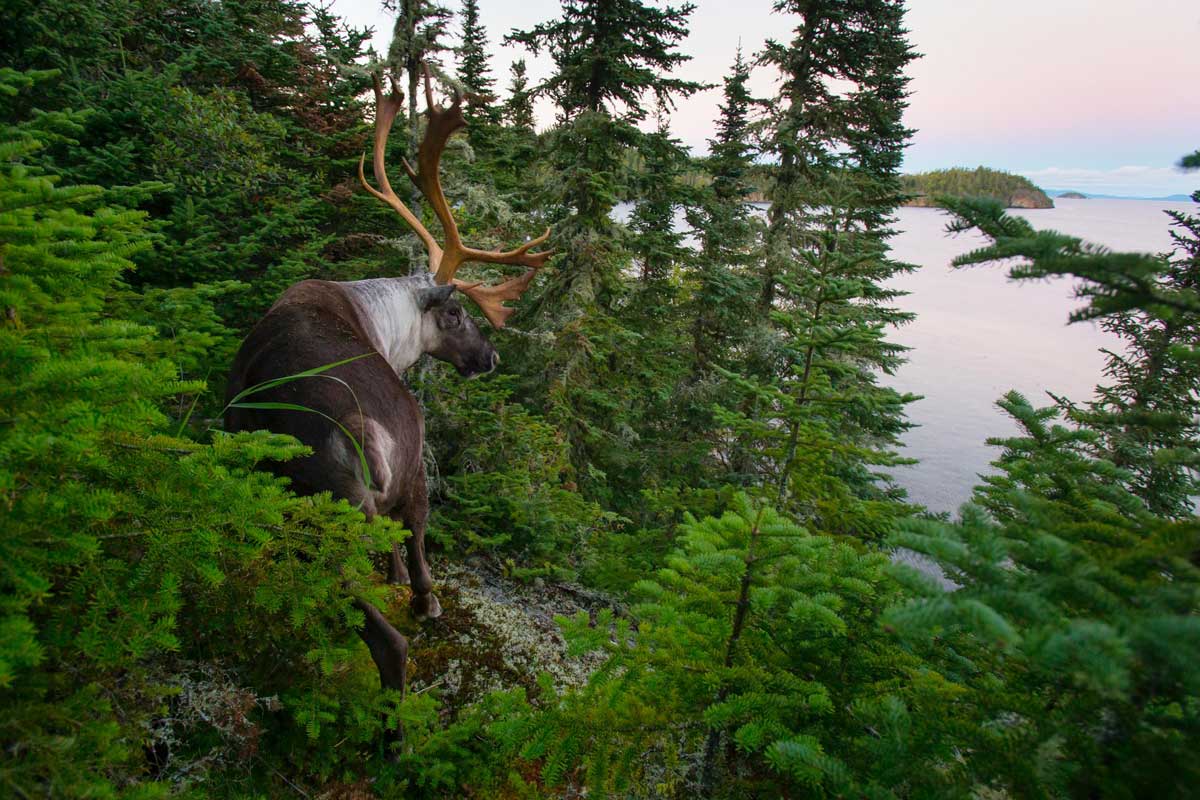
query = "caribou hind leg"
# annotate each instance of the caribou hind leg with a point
(376, 443)
(389, 648)
(389, 651)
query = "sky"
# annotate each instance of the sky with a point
(1098, 96)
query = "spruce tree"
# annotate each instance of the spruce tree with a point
(417, 43)
(518, 109)
(670, 452)
(722, 308)
(474, 72)
(812, 379)
(508, 150)
(731, 153)
(611, 57)
(657, 244)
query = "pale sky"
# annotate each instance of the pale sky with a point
(1102, 96)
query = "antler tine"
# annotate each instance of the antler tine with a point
(428, 85)
(490, 299)
(519, 255)
(386, 109)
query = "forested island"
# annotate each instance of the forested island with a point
(1012, 191)
(661, 531)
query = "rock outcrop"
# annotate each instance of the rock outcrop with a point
(1026, 198)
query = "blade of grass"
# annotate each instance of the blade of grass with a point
(271, 406)
(195, 399)
(308, 373)
(315, 372)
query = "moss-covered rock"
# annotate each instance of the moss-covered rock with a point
(495, 633)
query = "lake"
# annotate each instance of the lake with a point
(977, 335)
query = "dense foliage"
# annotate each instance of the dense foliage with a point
(1013, 191)
(689, 436)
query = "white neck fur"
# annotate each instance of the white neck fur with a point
(395, 323)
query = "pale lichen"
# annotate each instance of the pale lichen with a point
(496, 634)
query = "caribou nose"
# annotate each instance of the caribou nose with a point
(495, 359)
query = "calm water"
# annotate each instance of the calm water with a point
(977, 335)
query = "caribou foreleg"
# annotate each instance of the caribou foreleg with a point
(397, 571)
(413, 511)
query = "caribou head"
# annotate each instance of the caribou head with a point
(449, 334)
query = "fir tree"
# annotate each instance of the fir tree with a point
(248, 109)
(1111, 282)
(1147, 415)
(757, 629)
(1071, 618)
(141, 565)
(1072, 610)
(698, 431)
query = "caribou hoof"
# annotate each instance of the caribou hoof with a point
(393, 739)
(426, 606)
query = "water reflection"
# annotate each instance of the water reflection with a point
(977, 335)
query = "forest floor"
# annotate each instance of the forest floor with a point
(497, 633)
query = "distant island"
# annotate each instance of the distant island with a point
(1013, 191)
(1069, 193)
(1074, 195)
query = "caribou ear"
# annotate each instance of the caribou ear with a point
(433, 296)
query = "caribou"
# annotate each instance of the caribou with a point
(380, 327)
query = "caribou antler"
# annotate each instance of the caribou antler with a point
(445, 259)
